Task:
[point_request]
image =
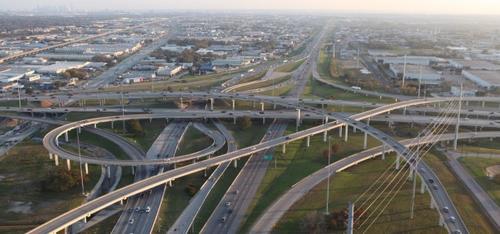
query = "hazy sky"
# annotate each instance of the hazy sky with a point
(362, 6)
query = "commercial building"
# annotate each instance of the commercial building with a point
(484, 79)
(60, 67)
(169, 71)
(176, 48)
(414, 60)
(425, 74)
(13, 74)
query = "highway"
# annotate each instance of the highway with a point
(136, 217)
(273, 214)
(188, 215)
(242, 191)
(114, 197)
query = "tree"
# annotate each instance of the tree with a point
(59, 179)
(134, 126)
(245, 123)
(313, 222)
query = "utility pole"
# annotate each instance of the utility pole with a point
(457, 127)
(123, 109)
(80, 159)
(350, 222)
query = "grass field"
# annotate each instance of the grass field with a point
(477, 169)
(21, 184)
(194, 141)
(297, 163)
(347, 185)
(315, 89)
(263, 84)
(470, 212)
(290, 66)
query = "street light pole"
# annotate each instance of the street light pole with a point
(328, 176)
(19, 94)
(80, 160)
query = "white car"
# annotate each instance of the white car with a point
(148, 209)
(131, 221)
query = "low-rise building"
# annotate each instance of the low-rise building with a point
(482, 78)
(169, 71)
(424, 74)
(60, 67)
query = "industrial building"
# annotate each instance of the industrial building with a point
(484, 79)
(425, 74)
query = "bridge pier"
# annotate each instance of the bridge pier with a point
(133, 170)
(404, 111)
(86, 168)
(309, 141)
(211, 104)
(283, 150)
(108, 171)
(346, 137)
(57, 141)
(432, 204)
(483, 104)
(181, 102)
(383, 151)
(112, 124)
(365, 140)
(56, 159)
(340, 131)
(235, 163)
(95, 125)
(397, 162)
(66, 137)
(170, 183)
(50, 156)
(68, 164)
(298, 119)
(422, 185)
(233, 104)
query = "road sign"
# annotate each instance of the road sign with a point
(268, 157)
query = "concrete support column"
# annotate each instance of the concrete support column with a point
(86, 168)
(95, 125)
(274, 106)
(432, 204)
(483, 104)
(325, 136)
(50, 156)
(404, 110)
(57, 141)
(283, 150)
(79, 130)
(112, 124)
(383, 152)
(262, 106)
(298, 118)
(235, 163)
(233, 104)
(397, 162)
(182, 102)
(211, 104)
(68, 164)
(56, 157)
(308, 141)
(66, 137)
(346, 137)
(422, 186)
(170, 183)
(234, 120)
(365, 141)
(108, 171)
(340, 131)
(133, 170)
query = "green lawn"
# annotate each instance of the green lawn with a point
(477, 168)
(297, 163)
(21, 183)
(347, 186)
(194, 141)
(290, 66)
(263, 84)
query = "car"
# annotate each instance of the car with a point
(236, 191)
(435, 187)
(457, 232)
(453, 219)
(446, 210)
(431, 181)
(131, 221)
(228, 203)
(223, 219)
(148, 209)
(137, 209)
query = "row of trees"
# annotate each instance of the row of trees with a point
(76, 73)
(318, 222)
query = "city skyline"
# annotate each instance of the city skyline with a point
(481, 7)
